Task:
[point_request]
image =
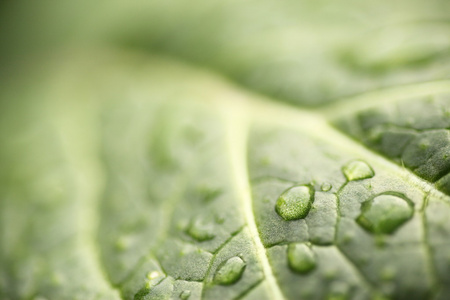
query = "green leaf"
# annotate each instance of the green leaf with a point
(130, 175)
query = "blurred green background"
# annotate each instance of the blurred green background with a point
(303, 52)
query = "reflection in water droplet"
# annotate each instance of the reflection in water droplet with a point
(200, 230)
(301, 258)
(326, 186)
(357, 170)
(385, 213)
(153, 274)
(185, 294)
(230, 271)
(295, 203)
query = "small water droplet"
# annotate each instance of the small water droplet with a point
(385, 213)
(301, 258)
(230, 271)
(185, 294)
(153, 274)
(200, 230)
(295, 203)
(326, 186)
(357, 170)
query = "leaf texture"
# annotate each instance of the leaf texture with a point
(160, 173)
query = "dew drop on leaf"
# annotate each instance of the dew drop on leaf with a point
(295, 203)
(301, 258)
(326, 186)
(357, 170)
(385, 213)
(200, 230)
(153, 275)
(230, 271)
(185, 294)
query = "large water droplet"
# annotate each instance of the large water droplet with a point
(357, 170)
(230, 271)
(295, 203)
(201, 230)
(385, 213)
(301, 258)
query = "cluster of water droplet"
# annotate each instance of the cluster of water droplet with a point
(381, 214)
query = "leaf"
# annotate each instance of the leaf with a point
(163, 190)
(130, 175)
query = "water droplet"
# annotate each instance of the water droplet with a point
(230, 271)
(185, 294)
(301, 258)
(357, 170)
(153, 274)
(201, 230)
(385, 213)
(295, 203)
(326, 186)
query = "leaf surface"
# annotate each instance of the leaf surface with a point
(159, 191)
(147, 153)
